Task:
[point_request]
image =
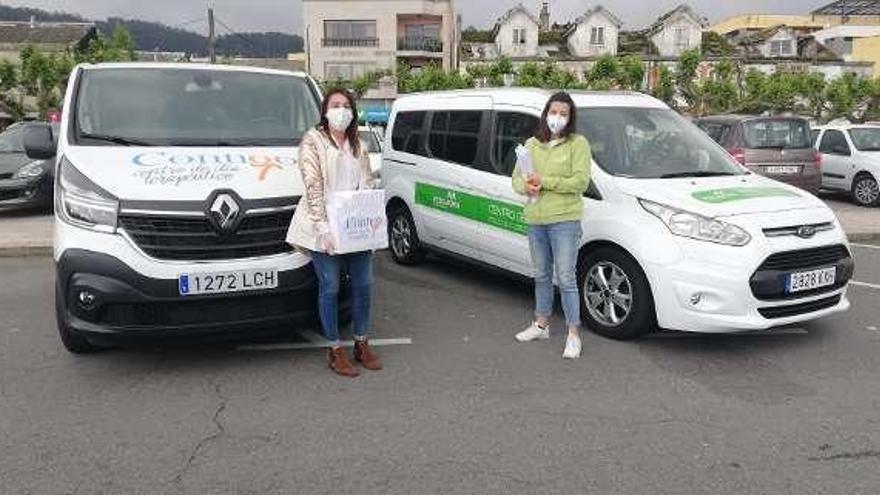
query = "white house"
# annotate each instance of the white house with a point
(777, 42)
(594, 33)
(676, 31)
(516, 33)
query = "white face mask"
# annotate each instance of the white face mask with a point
(339, 118)
(556, 123)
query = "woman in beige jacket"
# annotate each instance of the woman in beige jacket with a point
(331, 158)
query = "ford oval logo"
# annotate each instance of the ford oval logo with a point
(806, 231)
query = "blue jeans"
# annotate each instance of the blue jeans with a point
(554, 247)
(328, 270)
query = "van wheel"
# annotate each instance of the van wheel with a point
(403, 239)
(865, 191)
(616, 298)
(73, 341)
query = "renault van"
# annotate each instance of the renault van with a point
(677, 234)
(175, 185)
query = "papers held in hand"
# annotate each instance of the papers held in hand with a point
(526, 168)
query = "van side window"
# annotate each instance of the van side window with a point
(715, 130)
(408, 131)
(834, 143)
(511, 129)
(455, 137)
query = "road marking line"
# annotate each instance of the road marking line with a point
(864, 284)
(320, 345)
(866, 246)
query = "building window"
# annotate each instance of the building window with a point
(350, 33)
(519, 36)
(346, 71)
(781, 48)
(597, 36)
(682, 37)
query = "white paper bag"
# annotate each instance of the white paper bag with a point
(357, 220)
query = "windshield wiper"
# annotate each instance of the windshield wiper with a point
(115, 139)
(696, 174)
(234, 143)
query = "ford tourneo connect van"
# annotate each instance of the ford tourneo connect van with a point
(175, 185)
(677, 234)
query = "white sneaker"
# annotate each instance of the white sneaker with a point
(534, 332)
(572, 347)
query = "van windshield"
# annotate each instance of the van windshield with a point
(777, 134)
(652, 143)
(192, 107)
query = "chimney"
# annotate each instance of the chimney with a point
(545, 16)
(33, 21)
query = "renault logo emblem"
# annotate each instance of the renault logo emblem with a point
(806, 231)
(225, 211)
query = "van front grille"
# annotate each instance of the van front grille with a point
(770, 280)
(196, 239)
(799, 309)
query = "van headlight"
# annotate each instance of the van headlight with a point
(694, 226)
(30, 171)
(81, 202)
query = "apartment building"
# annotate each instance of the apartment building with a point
(347, 38)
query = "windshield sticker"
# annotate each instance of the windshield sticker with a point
(730, 194)
(162, 168)
(506, 216)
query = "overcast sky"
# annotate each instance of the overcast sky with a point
(286, 15)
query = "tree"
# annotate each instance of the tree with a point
(664, 89)
(720, 91)
(603, 74)
(117, 48)
(686, 79)
(631, 73)
(811, 89)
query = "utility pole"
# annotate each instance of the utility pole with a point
(212, 38)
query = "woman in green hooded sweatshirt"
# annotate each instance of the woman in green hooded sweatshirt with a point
(559, 177)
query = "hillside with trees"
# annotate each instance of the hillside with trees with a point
(152, 36)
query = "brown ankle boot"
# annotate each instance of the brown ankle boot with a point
(365, 355)
(338, 361)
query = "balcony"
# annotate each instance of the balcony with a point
(349, 42)
(423, 44)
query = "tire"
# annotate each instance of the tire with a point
(403, 238)
(620, 322)
(865, 190)
(73, 341)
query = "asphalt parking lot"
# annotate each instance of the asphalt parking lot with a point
(460, 409)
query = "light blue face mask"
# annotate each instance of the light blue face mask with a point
(556, 124)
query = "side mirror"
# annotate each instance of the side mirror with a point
(39, 144)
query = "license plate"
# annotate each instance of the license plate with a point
(193, 284)
(815, 279)
(782, 170)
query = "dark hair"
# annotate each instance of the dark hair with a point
(351, 134)
(543, 133)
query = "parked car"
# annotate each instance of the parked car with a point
(173, 206)
(776, 147)
(373, 147)
(851, 161)
(24, 181)
(677, 234)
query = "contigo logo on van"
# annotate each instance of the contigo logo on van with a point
(164, 168)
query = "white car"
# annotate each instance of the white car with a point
(851, 160)
(373, 146)
(175, 186)
(677, 234)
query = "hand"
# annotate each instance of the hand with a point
(534, 180)
(326, 242)
(533, 190)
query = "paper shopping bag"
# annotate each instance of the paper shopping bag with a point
(357, 220)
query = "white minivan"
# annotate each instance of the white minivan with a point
(677, 234)
(175, 185)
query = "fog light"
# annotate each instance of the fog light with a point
(86, 300)
(696, 299)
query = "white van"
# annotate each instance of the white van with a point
(676, 233)
(175, 185)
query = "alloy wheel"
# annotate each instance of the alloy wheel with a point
(608, 293)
